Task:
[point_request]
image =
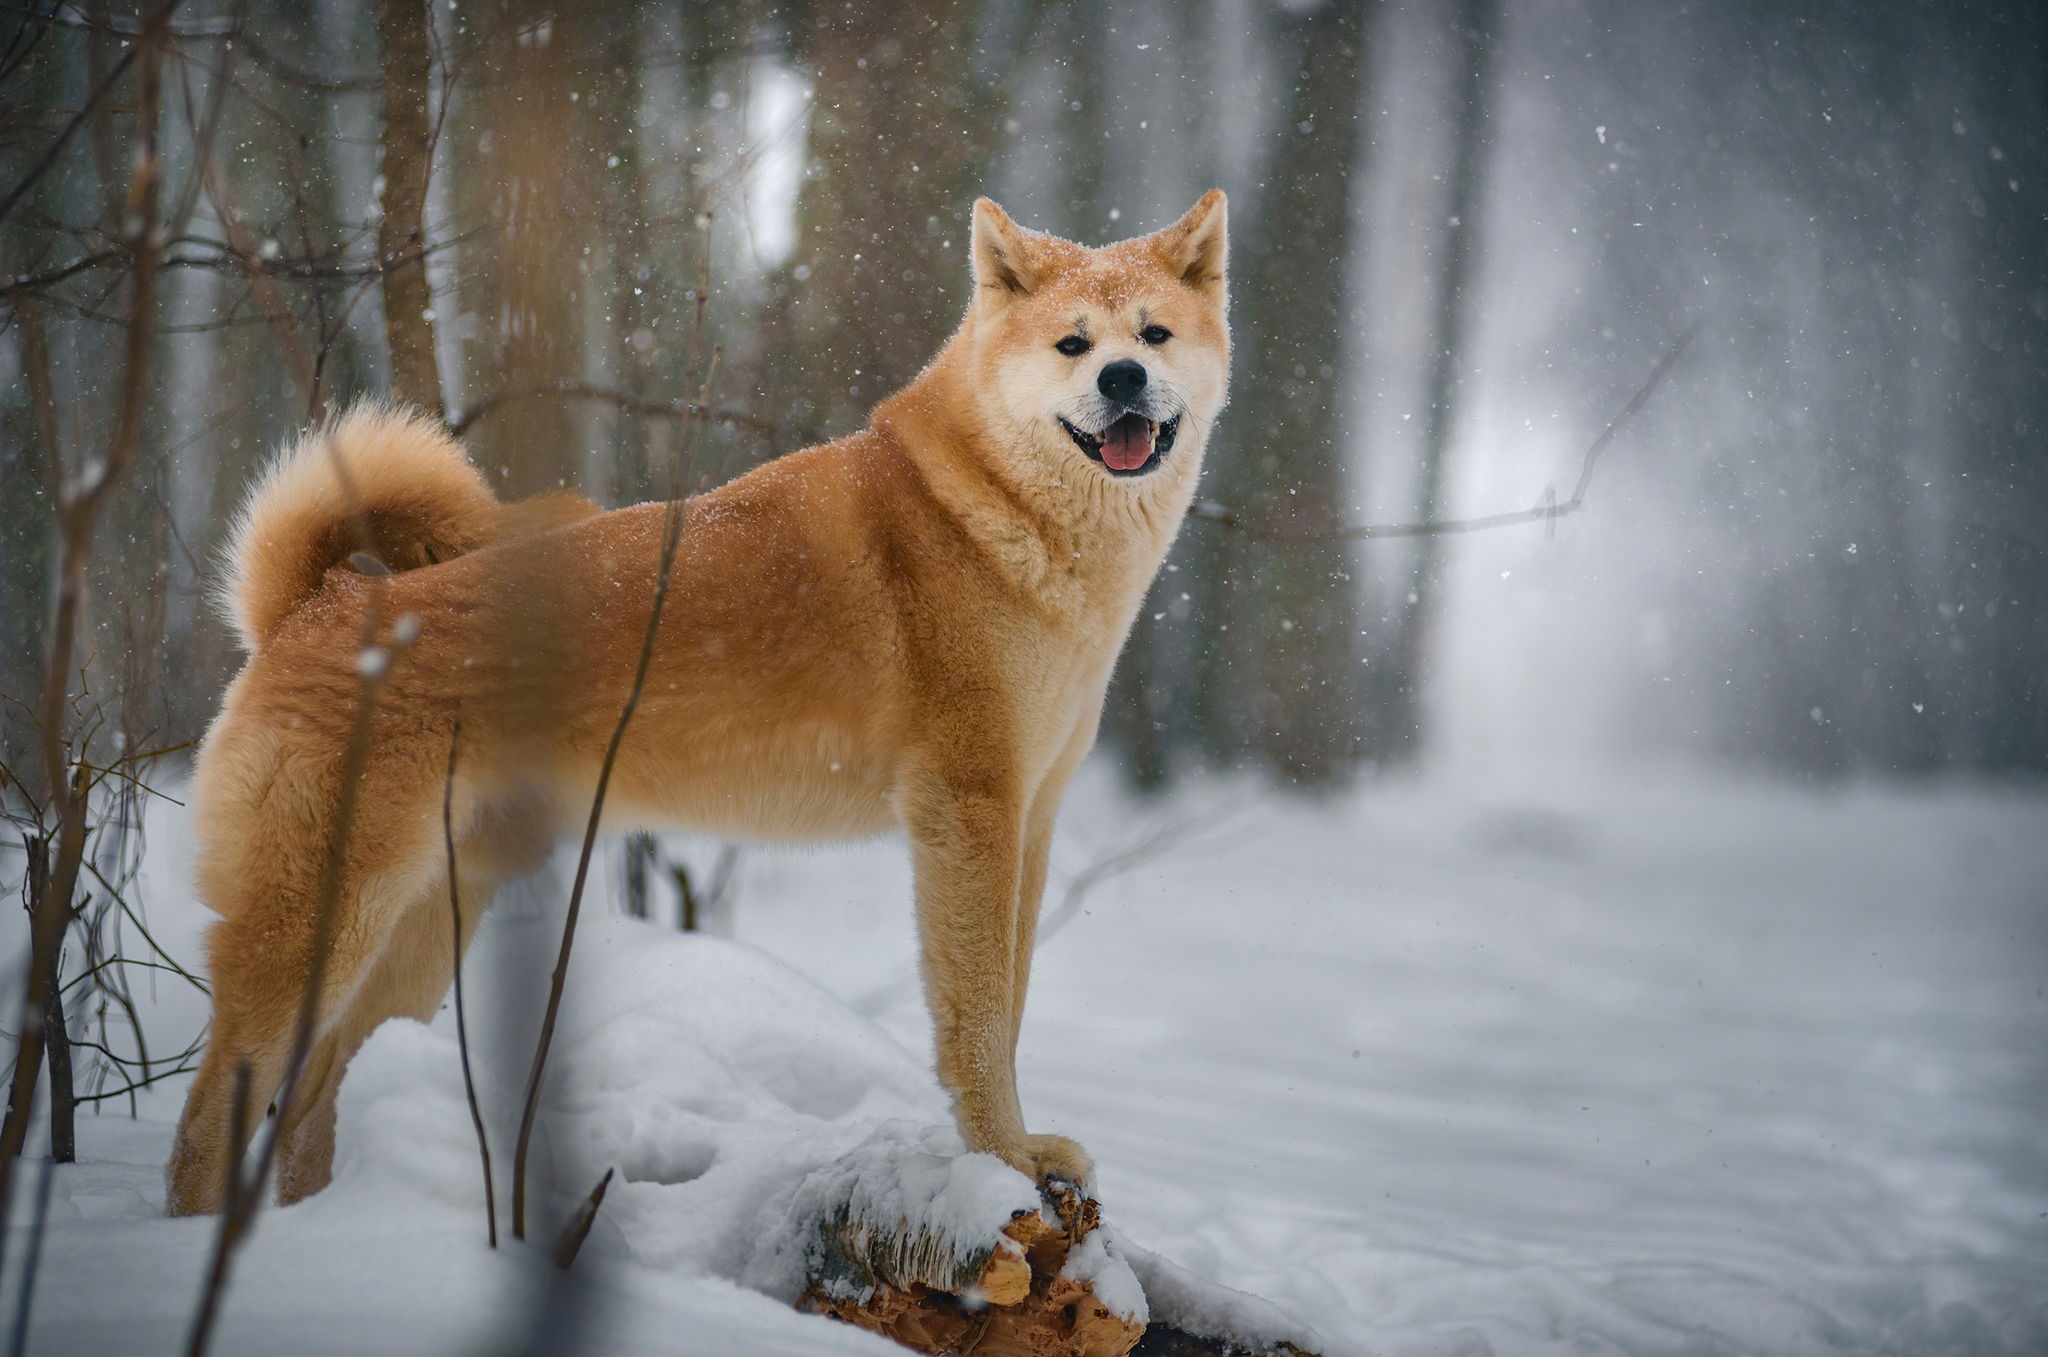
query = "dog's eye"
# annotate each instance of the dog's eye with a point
(1155, 334)
(1073, 346)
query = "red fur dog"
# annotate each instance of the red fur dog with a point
(912, 627)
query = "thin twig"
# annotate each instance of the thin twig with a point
(1549, 511)
(282, 325)
(78, 507)
(234, 1214)
(112, 1058)
(570, 1242)
(152, 31)
(623, 400)
(1132, 855)
(86, 975)
(483, 1145)
(170, 961)
(671, 539)
(137, 1085)
(1127, 857)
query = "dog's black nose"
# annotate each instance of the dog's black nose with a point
(1122, 380)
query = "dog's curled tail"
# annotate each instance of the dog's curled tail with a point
(380, 471)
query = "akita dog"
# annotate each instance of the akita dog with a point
(912, 627)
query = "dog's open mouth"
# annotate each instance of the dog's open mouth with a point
(1131, 446)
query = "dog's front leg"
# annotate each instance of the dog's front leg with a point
(967, 850)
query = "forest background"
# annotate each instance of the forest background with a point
(1466, 235)
(1464, 232)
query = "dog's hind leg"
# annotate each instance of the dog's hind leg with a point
(195, 1180)
(407, 980)
(258, 967)
(259, 955)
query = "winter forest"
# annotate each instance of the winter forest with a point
(1603, 679)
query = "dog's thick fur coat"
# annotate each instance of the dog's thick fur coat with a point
(912, 627)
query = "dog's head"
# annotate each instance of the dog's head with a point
(1112, 357)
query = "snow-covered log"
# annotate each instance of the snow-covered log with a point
(957, 1255)
(1005, 1278)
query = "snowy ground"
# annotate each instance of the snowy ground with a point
(1635, 1064)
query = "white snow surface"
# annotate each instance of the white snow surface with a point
(1098, 1263)
(1649, 1061)
(922, 1182)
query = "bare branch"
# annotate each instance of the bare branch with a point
(137, 1085)
(78, 506)
(570, 1243)
(739, 419)
(281, 323)
(295, 74)
(233, 1219)
(68, 16)
(671, 539)
(56, 148)
(476, 1116)
(1550, 510)
(24, 41)
(43, 398)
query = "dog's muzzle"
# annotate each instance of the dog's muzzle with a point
(1131, 445)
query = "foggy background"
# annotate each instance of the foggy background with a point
(1463, 233)
(1740, 831)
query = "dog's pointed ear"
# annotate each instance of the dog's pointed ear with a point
(1004, 266)
(1197, 247)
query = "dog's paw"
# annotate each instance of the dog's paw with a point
(1057, 1159)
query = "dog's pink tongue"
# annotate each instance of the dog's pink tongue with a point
(1127, 443)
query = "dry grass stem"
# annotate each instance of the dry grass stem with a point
(673, 520)
(78, 505)
(476, 1116)
(570, 1243)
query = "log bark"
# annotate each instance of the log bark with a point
(1012, 1302)
(936, 1281)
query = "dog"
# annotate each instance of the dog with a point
(910, 628)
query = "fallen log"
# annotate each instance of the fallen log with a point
(909, 1236)
(1054, 1284)
(1019, 1298)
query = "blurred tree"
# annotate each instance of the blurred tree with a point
(1276, 674)
(405, 62)
(529, 278)
(1855, 181)
(633, 310)
(1084, 121)
(1394, 688)
(901, 128)
(1991, 602)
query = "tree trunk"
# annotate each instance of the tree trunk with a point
(1283, 655)
(899, 126)
(405, 62)
(1397, 687)
(56, 1037)
(532, 268)
(78, 512)
(634, 477)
